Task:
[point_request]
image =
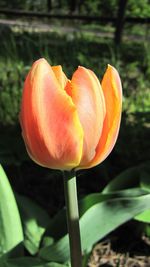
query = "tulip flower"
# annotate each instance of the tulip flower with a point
(70, 124)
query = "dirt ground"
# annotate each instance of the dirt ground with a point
(104, 254)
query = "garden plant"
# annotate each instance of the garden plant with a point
(69, 125)
(74, 149)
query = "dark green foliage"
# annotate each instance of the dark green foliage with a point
(140, 8)
(26, 5)
(125, 197)
(11, 83)
(132, 61)
(18, 50)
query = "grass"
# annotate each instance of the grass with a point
(19, 49)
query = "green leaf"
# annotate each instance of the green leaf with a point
(135, 176)
(104, 217)
(143, 217)
(109, 209)
(130, 178)
(147, 230)
(57, 227)
(59, 251)
(28, 262)
(11, 235)
(135, 182)
(97, 221)
(145, 181)
(92, 199)
(34, 220)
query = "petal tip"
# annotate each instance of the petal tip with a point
(111, 68)
(81, 68)
(41, 60)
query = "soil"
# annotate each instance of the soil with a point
(106, 254)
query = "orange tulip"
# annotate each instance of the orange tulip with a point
(70, 124)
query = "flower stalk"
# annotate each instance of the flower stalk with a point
(72, 211)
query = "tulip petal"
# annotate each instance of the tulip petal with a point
(60, 75)
(112, 91)
(50, 125)
(87, 95)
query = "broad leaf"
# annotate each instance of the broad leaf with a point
(145, 180)
(28, 262)
(111, 208)
(130, 178)
(92, 199)
(98, 220)
(136, 176)
(104, 217)
(143, 217)
(59, 251)
(34, 220)
(11, 235)
(57, 227)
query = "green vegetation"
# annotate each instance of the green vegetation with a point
(92, 46)
(70, 45)
(70, 50)
(140, 8)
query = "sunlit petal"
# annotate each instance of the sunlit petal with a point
(112, 91)
(87, 95)
(51, 128)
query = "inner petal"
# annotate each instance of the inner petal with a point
(60, 76)
(86, 93)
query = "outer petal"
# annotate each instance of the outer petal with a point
(112, 91)
(50, 124)
(87, 95)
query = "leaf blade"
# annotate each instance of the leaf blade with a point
(10, 222)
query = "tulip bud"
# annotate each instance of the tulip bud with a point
(70, 124)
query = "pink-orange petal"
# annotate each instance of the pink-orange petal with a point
(112, 91)
(50, 124)
(87, 95)
(60, 76)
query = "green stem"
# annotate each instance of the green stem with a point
(72, 218)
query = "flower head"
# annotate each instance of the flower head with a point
(69, 124)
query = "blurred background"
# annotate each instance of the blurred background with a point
(71, 33)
